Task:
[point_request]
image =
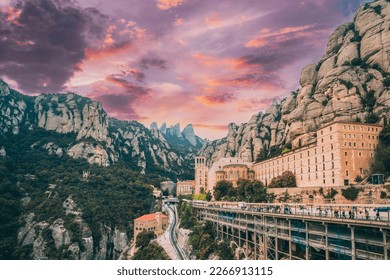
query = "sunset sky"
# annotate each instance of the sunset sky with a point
(208, 63)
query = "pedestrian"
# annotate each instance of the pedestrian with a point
(350, 214)
(366, 214)
(377, 216)
(343, 214)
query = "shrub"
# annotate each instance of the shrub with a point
(383, 195)
(350, 193)
(358, 179)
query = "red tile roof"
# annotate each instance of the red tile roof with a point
(149, 217)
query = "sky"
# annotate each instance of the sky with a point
(208, 63)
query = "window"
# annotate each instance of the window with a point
(346, 173)
(346, 162)
(332, 165)
(345, 136)
(333, 181)
(345, 144)
(323, 158)
(332, 173)
(323, 166)
(332, 156)
(361, 170)
(331, 146)
(346, 153)
(369, 137)
(362, 145)
(360, 154)
(330, 128)
(322, 140)
(331, 137)
(308, 153)
(368, 128)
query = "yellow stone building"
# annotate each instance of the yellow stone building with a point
(185, 187)
(156, 222)
(230, 169)
(342, 152)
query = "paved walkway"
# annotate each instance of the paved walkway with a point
(164, 242)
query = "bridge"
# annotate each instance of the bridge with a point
(301, 231)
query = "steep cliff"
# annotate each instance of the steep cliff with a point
(350, 83)
(97, 138)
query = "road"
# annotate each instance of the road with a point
(172, 237)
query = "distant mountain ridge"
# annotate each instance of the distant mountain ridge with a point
(350, 83)
(98, 138)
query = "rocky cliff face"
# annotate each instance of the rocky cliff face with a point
(98, 138)
(350, 83)
(71, 239)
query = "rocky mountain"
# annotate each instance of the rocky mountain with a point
(173, 134)
(97, 138)
(350, 83)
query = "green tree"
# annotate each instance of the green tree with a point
(222, 189)
(144, 238)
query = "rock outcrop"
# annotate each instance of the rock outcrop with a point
(95, 137)
(189, 134)
(349, 83)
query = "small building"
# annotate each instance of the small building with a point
(156, 192)
(167, 185)
(156, 222)
(185, 187)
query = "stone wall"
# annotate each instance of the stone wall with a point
(369, 194)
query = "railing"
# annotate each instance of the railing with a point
(354, 213)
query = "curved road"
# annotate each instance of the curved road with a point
(172, 237)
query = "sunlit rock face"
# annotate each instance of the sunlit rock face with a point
(349, 83)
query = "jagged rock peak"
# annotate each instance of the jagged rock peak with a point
(189, 134)
(4, 88)
(349, 83)
(153, 126)
(163, 128)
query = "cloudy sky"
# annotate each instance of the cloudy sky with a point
(208, 63)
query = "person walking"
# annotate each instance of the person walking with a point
(377, 216)
(366, 214)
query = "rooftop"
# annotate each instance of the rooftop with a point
(149, 217)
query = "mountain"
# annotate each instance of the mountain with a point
(174, 135)
(97, 137)
(350, 83)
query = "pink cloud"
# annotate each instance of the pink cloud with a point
(168, 4)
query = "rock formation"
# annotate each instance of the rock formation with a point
(349, 83)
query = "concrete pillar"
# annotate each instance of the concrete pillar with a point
(353, 248)
(326, 243)
(255, 243)
(307, 240)
(385, 244)
(289, 240)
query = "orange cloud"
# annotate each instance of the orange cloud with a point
(168, 4)
(213, 61)
(212, 126)
(12, 14)
(265, 35)
(215, 99)
(104, 52)
(179, 22)
(213, 20)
